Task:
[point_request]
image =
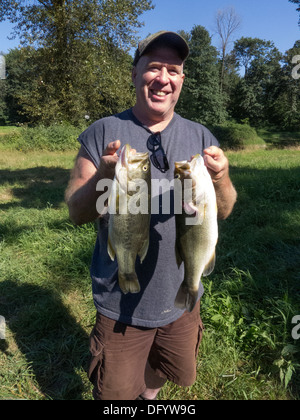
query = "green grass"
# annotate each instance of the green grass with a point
(276, 139)
(45, 291)
(56, 137)
(7, 129)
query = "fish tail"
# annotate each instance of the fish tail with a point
(186, 298)
(128, 283)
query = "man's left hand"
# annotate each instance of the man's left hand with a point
(216, 163)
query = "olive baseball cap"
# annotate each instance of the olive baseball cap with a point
(165, 38)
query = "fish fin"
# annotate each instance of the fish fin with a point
(209, 268)
(110, 250)
(128, 283)
(197, 212)
(189, 208)
(186, 298)
(201, 213)
(178, 257)
(144, 249)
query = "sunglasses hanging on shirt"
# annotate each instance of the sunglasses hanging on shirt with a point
(158, 157)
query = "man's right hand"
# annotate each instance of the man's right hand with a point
(81, 194)
(109, 160)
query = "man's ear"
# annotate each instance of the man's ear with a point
(133, 74)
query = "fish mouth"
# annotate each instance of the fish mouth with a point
(137, 157)
(124, 155)
(184, 165)
(188, 166)
(129, 161)
(184, 168)
(129, 156)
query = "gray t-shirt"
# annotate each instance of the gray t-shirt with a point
(158, 275)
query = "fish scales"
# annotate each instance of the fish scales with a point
(128, 233)
(196, 229)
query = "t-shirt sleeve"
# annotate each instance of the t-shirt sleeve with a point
(92, 141)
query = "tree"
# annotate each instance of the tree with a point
(3, 87)
(78, 50)
(227, 22)
(298, 8)
(259, 88)
(3, 106)
(286, 108)
(201, 99)
(247, 50)
(44, 22)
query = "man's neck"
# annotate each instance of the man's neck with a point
(154, 124)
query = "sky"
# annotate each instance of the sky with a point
(271, 20)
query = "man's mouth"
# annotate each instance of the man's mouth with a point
(159, 93)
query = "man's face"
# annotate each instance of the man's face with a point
(158, 78)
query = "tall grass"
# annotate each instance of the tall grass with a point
(45, 291)
(56, 137)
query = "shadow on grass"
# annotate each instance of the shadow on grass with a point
(34, 187)
(261, 237)
(54, 344)
(258, 266)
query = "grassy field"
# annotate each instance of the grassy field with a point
(45, 293)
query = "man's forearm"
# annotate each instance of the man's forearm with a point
(226, 197)
(81, 195)
(81, 200)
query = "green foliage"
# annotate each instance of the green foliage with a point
(52, 138)
(254, 95)
(285, 109)
(236, 136)
(76, 60)
(3, 107)
(297, 2)
(60, 23)
(201, 99)
(97, 85)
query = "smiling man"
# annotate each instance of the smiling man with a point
(141, 340)
(158, 78)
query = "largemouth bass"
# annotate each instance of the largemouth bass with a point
(196, 228)
(130, 212)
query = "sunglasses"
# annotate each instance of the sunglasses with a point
(158, 157)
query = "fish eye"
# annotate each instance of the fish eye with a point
(145, 168)
(177, 176)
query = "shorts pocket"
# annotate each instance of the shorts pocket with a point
(96, 350)
(200, 334)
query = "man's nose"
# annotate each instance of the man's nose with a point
(163, 76)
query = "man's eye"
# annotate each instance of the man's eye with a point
(153, 68)
(173, 72)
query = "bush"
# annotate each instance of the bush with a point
(53, 138)
(236, 136)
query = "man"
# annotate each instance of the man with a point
(141, 340)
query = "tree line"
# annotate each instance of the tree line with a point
(74, 64)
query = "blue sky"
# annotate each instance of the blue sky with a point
(274, 20)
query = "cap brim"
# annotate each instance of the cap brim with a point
(172, 39)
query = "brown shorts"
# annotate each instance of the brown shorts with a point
(119, 354)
